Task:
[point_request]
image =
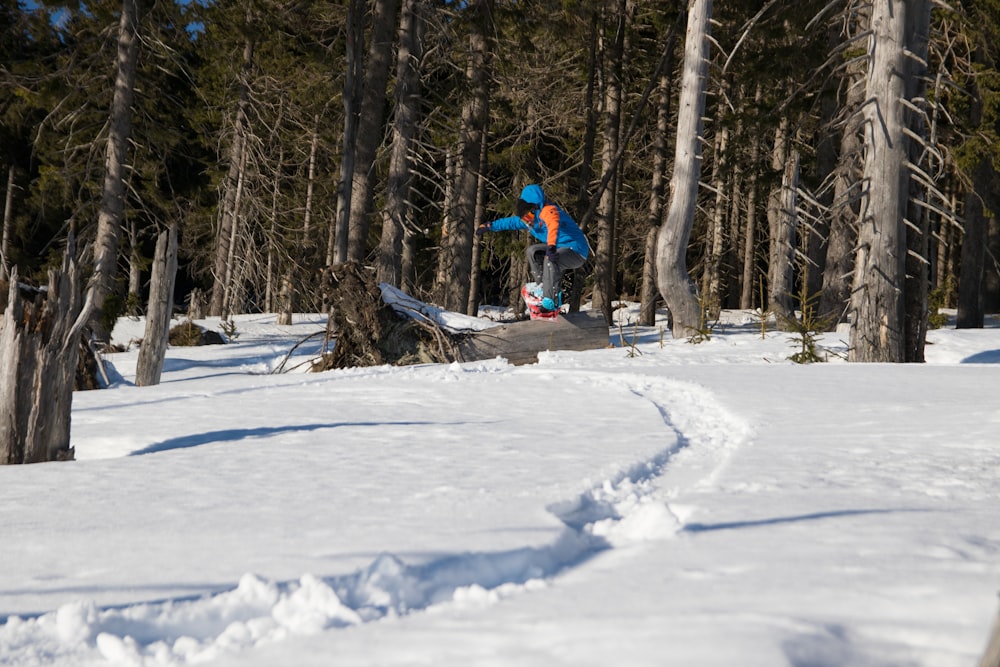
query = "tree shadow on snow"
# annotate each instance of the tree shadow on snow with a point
(236, 434)
(985, 357)
(815, 516)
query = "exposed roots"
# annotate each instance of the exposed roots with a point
(369, 332)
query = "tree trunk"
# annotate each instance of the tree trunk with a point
(991, 280)
(161, 304)
(589, 140)
(109, 217)
(918, 230)
(649, 295)
(8, 223)
(671, 249)
(750, 234)
(370, 126)
(271, 304)
(354, 56)
(782, 218)
(408, 98)
(978, 202)
(712, 271)
(840, 252)
(310, 185)
(478, 219)
(877, 299)
(222, 267)
(456, 251)
(39, 348)
(604, 254)
(971, 314)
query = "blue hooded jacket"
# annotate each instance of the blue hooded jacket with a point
(548, 223)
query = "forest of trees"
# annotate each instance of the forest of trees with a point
(829, 157)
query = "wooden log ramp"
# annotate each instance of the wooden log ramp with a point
(520, 342)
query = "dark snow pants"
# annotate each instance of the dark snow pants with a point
(548, 273)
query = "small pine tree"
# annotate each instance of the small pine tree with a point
(806, 330)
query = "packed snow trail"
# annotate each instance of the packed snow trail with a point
(628, 507)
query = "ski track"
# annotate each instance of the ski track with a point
(629, 508)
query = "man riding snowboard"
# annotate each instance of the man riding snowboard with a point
(563, 245)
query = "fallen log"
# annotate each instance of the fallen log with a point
(520, 342)
(379, 324)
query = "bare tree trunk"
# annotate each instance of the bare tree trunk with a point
(877, 299)
(916, 265)
(409, 274)
(649, 295)
(712, 272)
(161, 303)
(590, 131)
(231, 272)
(480, 216)
(991, 279)
(370, 126)
(39, 348)
(971, 314)
(109, 217)
(337, 247)
(589, 140)
(782, 217)
(408, 97)
(840, 252)
(8, 223)
(310, 185)
(979, 202)
(443, 271)
(605, 255)
(134, 261)
(750, 237)
(271, 304)
(222, 268)
(456, 250)
(671, 249)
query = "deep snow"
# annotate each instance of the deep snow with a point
(667, 504)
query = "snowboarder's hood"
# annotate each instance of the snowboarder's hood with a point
(533, 195)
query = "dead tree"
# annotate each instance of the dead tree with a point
(39, 349)
(672, 243)
(161, 302)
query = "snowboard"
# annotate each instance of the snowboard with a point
(534, 303)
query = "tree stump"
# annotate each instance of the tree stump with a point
(39, 348)
(161, 304)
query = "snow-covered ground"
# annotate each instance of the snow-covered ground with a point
(658, 504)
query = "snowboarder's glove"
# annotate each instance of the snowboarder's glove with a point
(551, 254)
(483, 228)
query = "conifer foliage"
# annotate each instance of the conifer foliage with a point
(281, 139)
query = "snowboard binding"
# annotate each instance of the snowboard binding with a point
(537, 308)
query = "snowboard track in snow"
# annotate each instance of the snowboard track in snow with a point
(192, 629)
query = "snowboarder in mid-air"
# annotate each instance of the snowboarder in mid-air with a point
(562, 247)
